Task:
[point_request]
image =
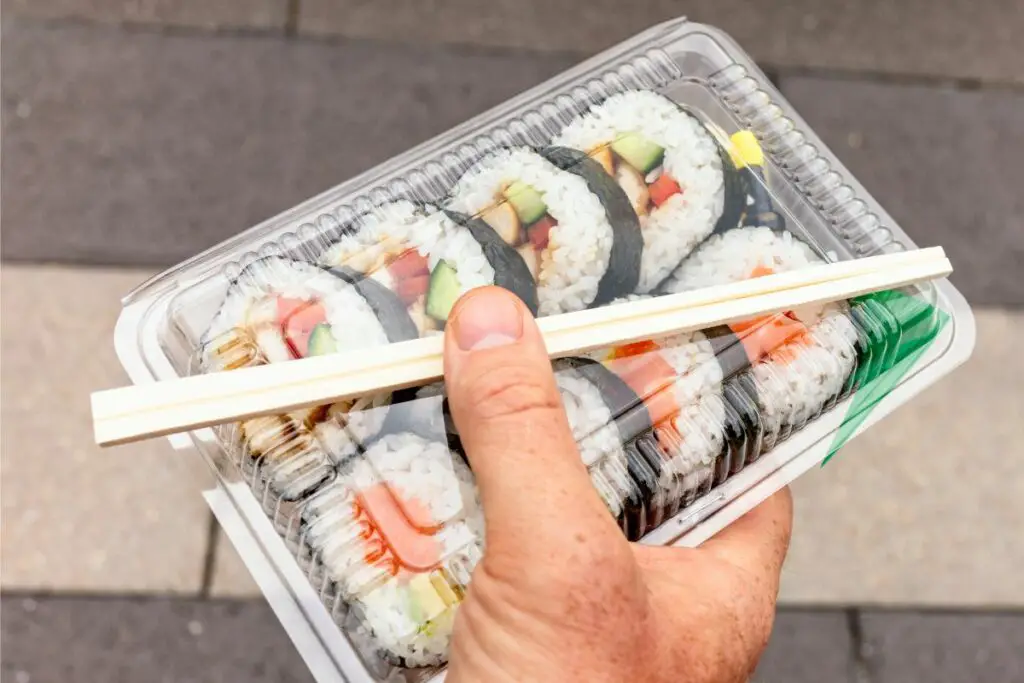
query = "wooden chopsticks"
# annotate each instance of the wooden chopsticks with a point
(140, 412)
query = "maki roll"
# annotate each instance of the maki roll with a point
(277, 310)
(680, 381)
(427, 258)
(400, 533)
(680, 182)
(802, 359)
(573, 229)
(606, 415)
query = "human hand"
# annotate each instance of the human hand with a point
(560, 595)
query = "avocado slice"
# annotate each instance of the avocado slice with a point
(528, 203)
(443, 291)
(638, 152)
(321, 341)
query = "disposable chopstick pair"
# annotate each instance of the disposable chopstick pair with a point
(139, 412)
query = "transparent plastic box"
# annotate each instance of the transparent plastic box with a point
(666, 163)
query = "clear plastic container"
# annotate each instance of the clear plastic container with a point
(667, 163)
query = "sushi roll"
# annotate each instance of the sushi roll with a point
(573, 228)
(427, 258)
(706, 427)
(680, 381)
(277, 310)
(605, 415)
(680, 182)
(801, 360)
(399, 533)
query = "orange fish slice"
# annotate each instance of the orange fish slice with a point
(413, 549)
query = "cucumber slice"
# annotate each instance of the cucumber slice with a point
(638, 152)
(321, 341)
(528, 203)
(443, 291)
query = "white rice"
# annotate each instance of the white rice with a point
(396, 227)
(733, 255)
(437, 478)
(672, 230)
(579, 247)
(788, 394)
(248, 319)
(591, 420)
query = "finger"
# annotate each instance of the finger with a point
(507, 409)
(758, 541)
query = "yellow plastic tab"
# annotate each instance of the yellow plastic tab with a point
(745, 150)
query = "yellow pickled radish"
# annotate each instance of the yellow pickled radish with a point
(745, 149)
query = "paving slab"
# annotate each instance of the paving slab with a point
(925, 508)
(120, 640)
(138, 148)
(807, 646)
(945, 38)
(944, 648)
(77, 517)
(207, 14)
(938, 160)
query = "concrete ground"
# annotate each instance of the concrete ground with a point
(137, 134)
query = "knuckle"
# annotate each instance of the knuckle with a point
(511, 390)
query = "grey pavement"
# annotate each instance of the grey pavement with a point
(137, 148)
(207, 14)
(942, 647)
(918, 37)
(122, 640)
(811, 645)
(128, 640)
(975, 41)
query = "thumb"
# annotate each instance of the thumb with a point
(535, 490)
